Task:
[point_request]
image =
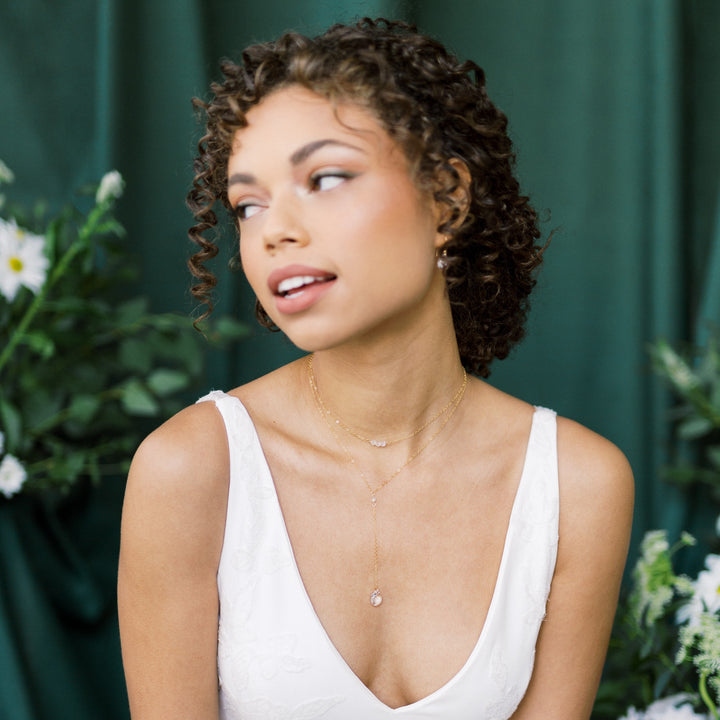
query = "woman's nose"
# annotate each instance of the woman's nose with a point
(283, 224)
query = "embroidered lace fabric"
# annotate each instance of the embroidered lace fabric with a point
(275, 660)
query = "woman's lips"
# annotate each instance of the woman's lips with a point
(298, 287)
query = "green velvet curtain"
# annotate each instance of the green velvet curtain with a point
(614, 106)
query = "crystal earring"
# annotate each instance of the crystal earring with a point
(442, 261)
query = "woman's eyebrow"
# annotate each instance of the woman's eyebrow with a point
(306, 151)
(242, 178)
(301, 154)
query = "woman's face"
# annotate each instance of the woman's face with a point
(335, 238)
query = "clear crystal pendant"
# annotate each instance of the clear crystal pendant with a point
(376, 598)
(378, 443)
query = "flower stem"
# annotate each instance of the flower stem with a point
(705, 695)
(85, 232)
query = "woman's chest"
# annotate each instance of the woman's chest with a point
(297, 634)
(431, 541)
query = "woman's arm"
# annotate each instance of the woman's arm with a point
(172, 531)
(596, 502)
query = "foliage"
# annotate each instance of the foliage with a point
(664, 653)
(81, 365)
(695, 379)
(646, 659)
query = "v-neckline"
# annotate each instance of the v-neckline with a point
(492, 608)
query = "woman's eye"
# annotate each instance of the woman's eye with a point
(244, 211)
(328, 181)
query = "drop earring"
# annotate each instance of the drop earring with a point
(441, 260)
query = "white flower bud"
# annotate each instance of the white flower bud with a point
(111, 187)
(12, 476)
(6, 174)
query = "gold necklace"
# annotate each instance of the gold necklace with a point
(379, 443)
(376, 597)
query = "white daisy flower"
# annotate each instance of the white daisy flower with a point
(633, 714)
(675, 707)
(22, 260)
(706, 595)
(110, 188)
(12, 476)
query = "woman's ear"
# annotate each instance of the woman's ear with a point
(453, 195)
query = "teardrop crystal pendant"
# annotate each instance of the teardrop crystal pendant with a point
(376, 598)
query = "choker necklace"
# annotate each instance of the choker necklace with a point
(378, 443)
(376, 597)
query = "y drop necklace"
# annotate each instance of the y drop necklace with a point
(376, 597)
(375, 442)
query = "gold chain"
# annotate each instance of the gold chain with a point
(379, 443)
(376, 596)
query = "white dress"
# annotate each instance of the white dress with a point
(275, 660)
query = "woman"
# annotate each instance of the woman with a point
(370, 531)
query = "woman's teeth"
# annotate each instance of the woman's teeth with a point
(294, 283)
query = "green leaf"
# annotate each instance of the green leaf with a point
(673, 367)
(688, 475)
(227, 328)
(83, 407)
(164, 382)
(662, 681)
(11, 425)
(136, 400)
(715, 395)
(168, 322)
(88, 376)
(694, 428)
(111, 227)
(713, 453)
(67, 467)
(135, 355)
(132, 311)
(40, 406)
(185, 347)
(40, 343)
(681, 474)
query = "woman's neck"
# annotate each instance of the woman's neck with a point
(390, 390)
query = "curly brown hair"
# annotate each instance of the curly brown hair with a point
(437, 109)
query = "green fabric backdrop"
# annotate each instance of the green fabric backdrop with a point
(614, 106)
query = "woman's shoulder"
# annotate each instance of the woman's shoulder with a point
(190, 444)
(179, 477)
(589, 462)
(176, 501)
(190, 450)
(582, 453)
(590, 467)
(596, 499)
